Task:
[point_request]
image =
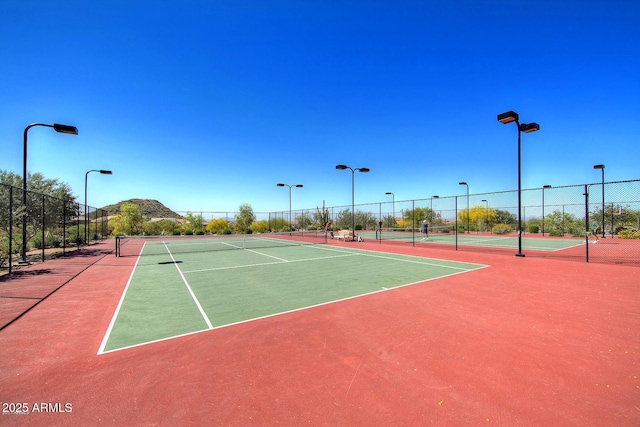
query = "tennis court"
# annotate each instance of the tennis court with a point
(184, 286)
(475, 239)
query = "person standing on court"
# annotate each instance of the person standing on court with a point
(425, 230)
(595, 228)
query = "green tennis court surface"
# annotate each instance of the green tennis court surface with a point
(169, 295)
(494, 241)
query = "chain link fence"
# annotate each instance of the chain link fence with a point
(34, 227)
(555, 222)
(565, 215)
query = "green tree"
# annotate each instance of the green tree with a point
(129, 222)
(193, 223)
(164, 227)
(505, 217)
(417, 215)
(49, 196)
(343, 220)
(244, 219)
(303, 220)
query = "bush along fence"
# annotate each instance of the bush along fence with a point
(52, 226)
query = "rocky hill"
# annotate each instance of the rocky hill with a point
(149, 208)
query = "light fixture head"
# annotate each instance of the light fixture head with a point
(389, 193)
(363, 170)
(529, 127)
(508, 117)
(341, 167)
(72, 130)
(598, 166)
(105, 172)
(299, 186)
(280, 185)
(463, 183)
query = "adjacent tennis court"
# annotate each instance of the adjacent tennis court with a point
(473, 239)
(183, 286)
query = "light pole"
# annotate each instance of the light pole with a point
(393, 197)
(543, 187)
(72, 130)
(431, 207)
(290, 186)
(86, 222)
(601, 167)
(486, 208)
(468, 213)
(508, 117)
(353, 213)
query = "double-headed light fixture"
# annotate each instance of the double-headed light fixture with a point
(290, 187)
(508, 117)
(353, 214)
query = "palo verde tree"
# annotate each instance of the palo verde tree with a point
(244, 219)
(128, 222)
(193, 224)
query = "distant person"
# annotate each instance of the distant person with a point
(595, 228)
(425, 230)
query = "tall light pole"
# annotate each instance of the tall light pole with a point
(601, 167)
(353, 213)
(486, 202)
(72, 130)
(86, 222)
(290, 186)
(508, 117)
(468, 212)
(543, 187)
(393, 198)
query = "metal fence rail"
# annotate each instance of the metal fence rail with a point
(565, 212)
(53, 226)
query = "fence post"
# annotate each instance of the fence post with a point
(10, 254)
(586, 220)
(43, 225)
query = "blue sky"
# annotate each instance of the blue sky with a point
(205, 105)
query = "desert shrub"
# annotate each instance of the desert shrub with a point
(501, 229)
(629, 234)
(533, 229)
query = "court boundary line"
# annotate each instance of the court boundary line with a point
(259, 264)
(195, 299)
(254, 319)
(116, 312)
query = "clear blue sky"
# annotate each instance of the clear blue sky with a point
(204, 105)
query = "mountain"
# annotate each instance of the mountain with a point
(148, 208)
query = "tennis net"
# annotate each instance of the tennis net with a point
(162, 245)
(409, 234)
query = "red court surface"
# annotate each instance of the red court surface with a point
(525, 342)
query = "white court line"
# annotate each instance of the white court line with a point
(295, 310)
(117, 311)
(195, 299)
(267, 255)
(259, 264)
